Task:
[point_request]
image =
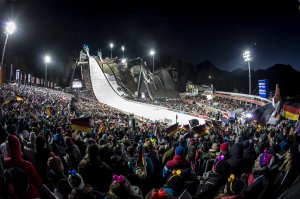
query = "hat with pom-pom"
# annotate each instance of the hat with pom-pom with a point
(75, 180)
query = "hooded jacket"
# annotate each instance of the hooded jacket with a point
(16, 160)
(236, 160)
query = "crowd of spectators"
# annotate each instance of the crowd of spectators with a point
(43, 157)
(201, 106)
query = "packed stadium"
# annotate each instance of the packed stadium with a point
(127, 128)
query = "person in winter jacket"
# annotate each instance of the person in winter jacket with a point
(94, 171)
(236, 160)
(74, 153)
(16, 160)
(214, 182)
(179, 161)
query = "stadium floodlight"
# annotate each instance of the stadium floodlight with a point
(111, 47)
(123, 49)
(152, 53)
(123, 61)
(9, 29)
(247, 58)
(47, 59)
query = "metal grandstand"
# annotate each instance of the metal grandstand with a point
(243, 97)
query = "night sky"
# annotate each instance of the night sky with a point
(218, 31)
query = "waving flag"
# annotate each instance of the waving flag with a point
(263, 113)
(171, 130)
(140, 167)
(201, 130)
(81, 124)
(291, 111)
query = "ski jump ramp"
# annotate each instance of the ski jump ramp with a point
(107, 95)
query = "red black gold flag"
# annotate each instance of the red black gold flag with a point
(201, 130)
(290, 111)
(81, 124)
(172, 129)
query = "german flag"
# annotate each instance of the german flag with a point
(81, 124)
(201, 130)
(171, 130)
(140, 166)
(291, 111)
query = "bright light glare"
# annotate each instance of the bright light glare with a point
(111, 45)
(249, 115)
(152, 52)
(247, 56)
(47, 59)
(10, 28)
(123, 61)
(123, 48)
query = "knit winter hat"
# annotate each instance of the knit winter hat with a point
(75, 180)
(179, 150)
(224, 146)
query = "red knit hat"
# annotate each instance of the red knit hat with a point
(224, 146)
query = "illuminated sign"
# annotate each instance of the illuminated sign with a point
(263, 88)
(77, 84)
